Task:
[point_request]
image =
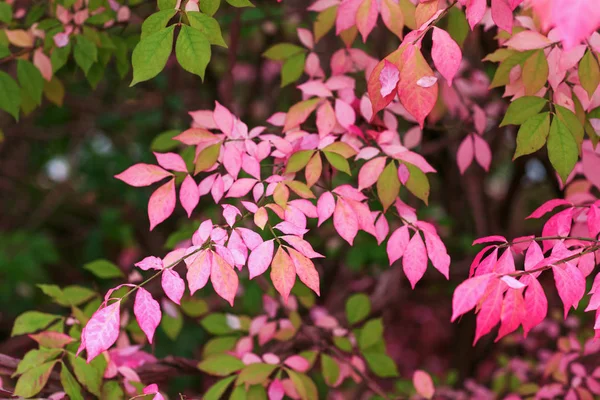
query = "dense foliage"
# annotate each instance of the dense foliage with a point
(332, 152)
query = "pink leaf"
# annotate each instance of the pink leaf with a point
(570, 285)
(575, 20)
(502, 15)
(593, 220)
(427, 81)
(139, 175)
(528, 40)
(437, 253)
(325, 207)
(223, 118)
(513, 312)
(346, 15)
(199, 266)
(483, 154)
(162, 203)
(468, 294)
(276, 391)
(345, 221)
(283, 273)
(388, 78)
(366, 17)
(150, 263)
(479, 119)
(548, 206)
(475, 11)
(489, 239)
(325, 119)
(241, 187)
(43, 63)
(189, 195)
(423, 384)
(414, 263)
(223, 278)
(306, 270)
(491, 307)
(297, 363)
(536, 305)
(369, 173)
(260, 258)
(102, 330)
(147, 312)
(397, 244)
(171, 161)
(417, 100)
(344, 113)
(465, 154)
(173, 285)
(446, 54)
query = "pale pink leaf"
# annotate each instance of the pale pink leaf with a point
(346, 15)
(139, 175)
(427, 81)
(344, 113)
(171, 161)
(414, 262)
(423, 384)
(147, 312)
(223, 118)
(260, 258)
(150, 262)
(43, 63)
(199, 270)
(102, 330)
(173, 285)
(162, 203)
(369, 173)
(475, 11)
(325, 207)
(446, 54)
(527, 40)
(223, 278)
(388, 78)
(189, 196)
(345, 221)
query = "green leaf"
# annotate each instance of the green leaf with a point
(85, 53)
(338, 162)
(572, 123)
(210, 7)
(90, 375)
(192, 50)
(151, 54)
(562, 149)
(207, 158)
(324, 22)
(221, 365)
(59, 57)
(523, 108)
(216, 324)
(535, 73)
(32, 321)
(589, 72)
(292, 69)
(172, 325)
(157, 22)
(34, 380)
(121, 56)
(208, 26)
(330, 369)
(10, 101)
(458, 27)
(418, 183)
(54, 91)
(381, 365)
(358, 308)
(35, 357)
(502, 75)
(5, 12)
(342, 343)
(532, 134)
(240, 3)
(104, 269)
(219, 345)
(388, 185)
(256, 392)
(282, 51)
(238, 393)
(298, 160)
(69, 383)
(194, 307)
(164, 141)
(371, 333)
(111, 390)
(254, 374)
(166, 4)
(304, 385)
(216, 391)
(95, 74)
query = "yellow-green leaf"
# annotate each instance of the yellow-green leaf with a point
(532, 135)
(388, 185)
(207, 158)
(562, 149)
(589, 72)
(151, 55)
(535, 73)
